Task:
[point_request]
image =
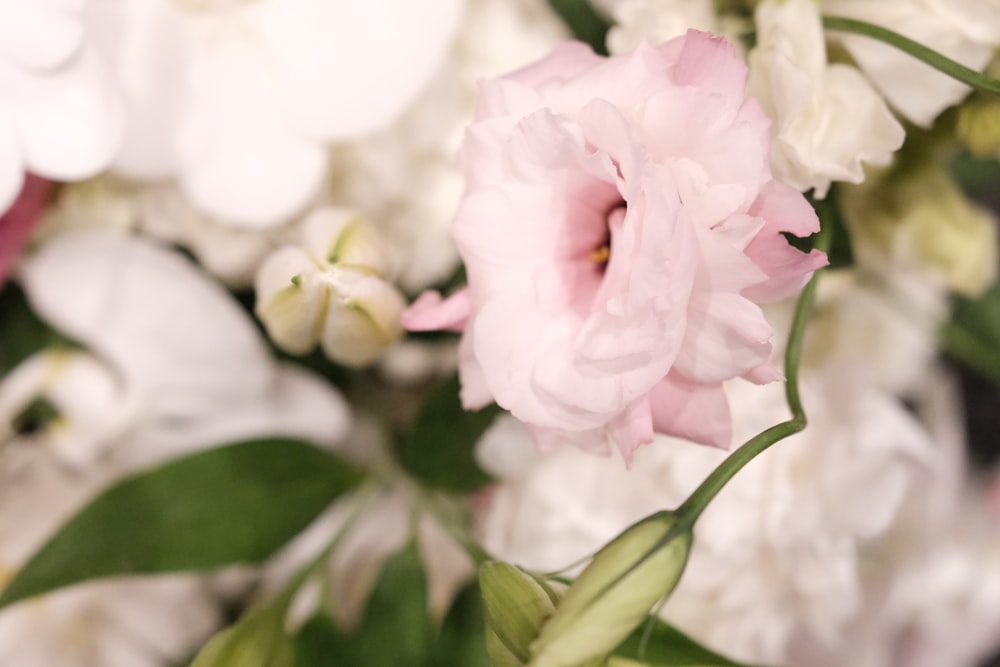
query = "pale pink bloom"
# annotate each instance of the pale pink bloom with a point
(619, 226)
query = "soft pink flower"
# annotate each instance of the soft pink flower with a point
(619, 226)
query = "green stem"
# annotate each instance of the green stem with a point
(691, 509)
(936, 60)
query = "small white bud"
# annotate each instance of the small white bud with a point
(331, 291)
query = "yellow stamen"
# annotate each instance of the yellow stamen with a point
(601, 255)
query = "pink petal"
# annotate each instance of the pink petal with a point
(690, 410)
(430, 312)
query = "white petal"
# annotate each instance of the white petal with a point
(348, 68)
(174, 333)
(40, 34)
(290, 299)
(239, 161)
(147, 44)
(11, 165)
(69, 122)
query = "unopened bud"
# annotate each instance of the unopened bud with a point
(331, 291)
(516, 606)
(614, 594)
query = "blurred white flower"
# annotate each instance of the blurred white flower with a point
(826, 118)
(964, 30)
(195, 367)
(332, 290)
(884, 325)
(237, 100)
(232, 254)
(916, 219)
(774, 554)
(90, 407)
(655, 20)
(60, 117)
(932, 583)
(126, 622)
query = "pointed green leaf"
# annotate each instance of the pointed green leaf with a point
(439, 449)
(234, 504)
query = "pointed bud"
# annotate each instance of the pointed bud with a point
(614, 594)
(516, 606)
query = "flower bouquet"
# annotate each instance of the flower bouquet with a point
(516, 333)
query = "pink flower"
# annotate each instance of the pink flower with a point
(619, 227)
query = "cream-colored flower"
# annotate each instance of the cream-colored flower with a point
(964, 30)
(635, 21)
(917, 218)
(827, 119)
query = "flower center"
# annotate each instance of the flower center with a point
(602, 253)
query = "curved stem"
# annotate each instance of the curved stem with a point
(936, 60)
(691, 509)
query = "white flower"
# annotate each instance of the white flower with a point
(775, 553)
(964, 30)
(331, 291)
(917, 219)
(655, 20)
(827, 118)
(237, 100)
(151, 622)
(884, 325)
(932, 583)
(59, 116)
(177, 342)
(91, 407)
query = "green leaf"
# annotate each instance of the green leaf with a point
(257, 640)
(973, 334)
(320, 644)
(395, 631)
(235, 504)
(461, 640)
(21, 331)
(666, 646)
(585, 24)
(440, 449)
(397, 628)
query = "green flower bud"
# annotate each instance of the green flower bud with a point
(516, 606)
(614, 594)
